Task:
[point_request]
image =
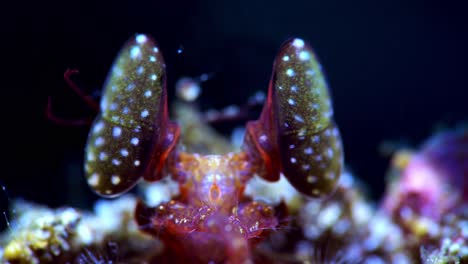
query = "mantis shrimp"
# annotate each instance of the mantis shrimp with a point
(212, 219)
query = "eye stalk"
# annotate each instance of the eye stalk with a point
(296, 133)
(132, 135)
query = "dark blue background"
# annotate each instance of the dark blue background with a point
(397, 70)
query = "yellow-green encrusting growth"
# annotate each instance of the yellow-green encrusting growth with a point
(39, 235)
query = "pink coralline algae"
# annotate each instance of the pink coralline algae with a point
(434, 180)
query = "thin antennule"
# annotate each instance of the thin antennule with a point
(86, 98)
(63, 121)
(89, 101)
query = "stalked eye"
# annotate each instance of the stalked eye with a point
(132, 135)
(297, 121)
(309, 141)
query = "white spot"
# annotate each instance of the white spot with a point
(99, 141)
(293, 160)
(130, 86)
(263, 138)
(125, 110)
(148, 93)
(304, 55)
(310, 72)
(294, 88)
(140, 70)
(144, 113)
(291, 101)
(113, 106)
(124, 152)
(104, 104)
(315, 139)
(301, 133)
(155, 49)
(330, 152)
(134, 141)
(306, 167)
(117, 71)
(318, 158)
(116, 162)
(335, 132)
(308, 151)
(280, 87)
(286, 124)
(135, 52)
(152, 58)
(93, 180)
(291, 146)
(98, 127)
(290, 72)
(115, 179)
(116, 131)
(298, 43)
(136, 163)
(102, 156)
(154, 77)
(90, 156)
(140, 39)
(298, 118)
(286, 58)
(311, 179)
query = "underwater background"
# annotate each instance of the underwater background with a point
(397, 71)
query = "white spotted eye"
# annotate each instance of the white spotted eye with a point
(306, 107)
(307, 148)
(129, 140)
